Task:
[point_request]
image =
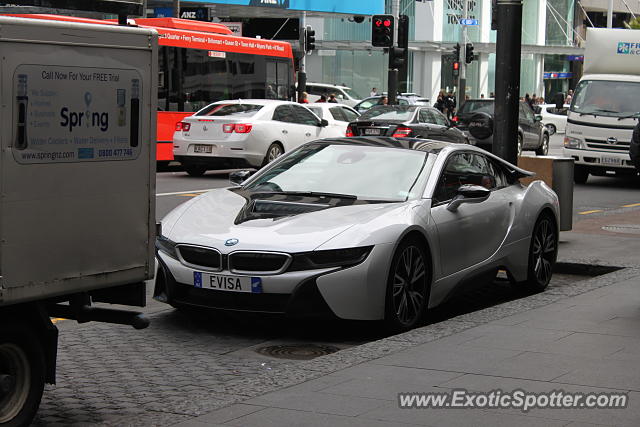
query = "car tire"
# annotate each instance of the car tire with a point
(580, 174)
(520, 142)
(195, 170)
(274, 151)
(22, 358)
(551, 128)
(408, 286)
(543, 150)
(543, 252)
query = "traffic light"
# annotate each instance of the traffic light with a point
(403, 32)
(456, 52)
(398, 57)
(469, 53)
(382, 30)
(309, 39)
(456, 68)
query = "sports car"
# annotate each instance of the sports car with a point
(364, 228)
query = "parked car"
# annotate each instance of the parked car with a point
(338, 115)
(344, 94)
(367, 228)
(475, 118)
(241, 133)
(555, 119)
(371, 101)
(406, 120)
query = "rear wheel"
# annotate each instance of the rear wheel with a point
(543, 150)
(543, 252)
(195, 170)
(407, 286)
(580, 174)
(519, 145)
(274, 151)
(21, 375)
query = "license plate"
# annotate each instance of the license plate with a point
(614, 161)
(220, 282)
(203, 149)
(372, 131)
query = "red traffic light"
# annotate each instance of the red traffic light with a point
(387, 23)
(377, 22)
(456, 65)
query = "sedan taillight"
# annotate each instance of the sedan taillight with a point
(401, 131)
(183, 127)
(237, 128)
(455, 119)
(350, 131)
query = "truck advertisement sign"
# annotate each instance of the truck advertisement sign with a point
(75, 114)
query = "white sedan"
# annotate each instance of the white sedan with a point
(241, 133)
(553, 118)
(338, 115)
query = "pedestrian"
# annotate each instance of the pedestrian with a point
(569, 97)
(492, 95)
(439, 104)
(304, 98)
(527, 99)
(450, 105)
(323, 98)
(532, 101)
(332, 98)
(374, 92)
(634, 147)
(482, 96)
(383, 100)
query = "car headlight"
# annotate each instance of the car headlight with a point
(330, 258)
(570, 142)
(166, 246)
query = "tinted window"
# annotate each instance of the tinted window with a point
(461, 169)
(425, 117)
(389, 112)
(477, 107)
(337, 114)
(304, 116)
(317, 111)
(349, 114)
(284, 113)
(368, 103)
(235, 110)
(440, 119)
(528, 114)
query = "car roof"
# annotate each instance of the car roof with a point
(254, 101)
(327, 85)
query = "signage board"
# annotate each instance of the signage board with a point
(354, 7)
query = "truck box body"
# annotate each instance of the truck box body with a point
(77, 164)
(612, 51)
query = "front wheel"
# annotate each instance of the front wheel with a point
(407, 286)
(543, 150)
(543, 252)
(21, 376)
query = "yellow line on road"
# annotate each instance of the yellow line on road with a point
(188, 195)
(631, 205)
(56, 320)
(589, 212)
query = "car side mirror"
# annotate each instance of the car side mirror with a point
(238, 177)
(468, 194)
(323, 123)
(537, 118)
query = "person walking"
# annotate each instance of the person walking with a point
(634, 147)
(450, 105)
(304, 98)
(374, 92)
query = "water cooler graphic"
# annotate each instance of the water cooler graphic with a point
(22, 101)
(135, 112)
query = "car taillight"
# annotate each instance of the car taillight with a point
(401, 131)
(350, 131)
(237, 128)
(455, 119)
(183, 126)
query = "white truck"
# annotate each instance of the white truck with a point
(605, 106)
(77, 189)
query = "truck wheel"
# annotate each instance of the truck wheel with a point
(195, 170)
(580, 174)
(21, 375)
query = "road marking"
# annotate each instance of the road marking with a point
(189, 195)
(589, 212)
(631, 206)
(56, 320)
(180, 193)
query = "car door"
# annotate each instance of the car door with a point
(286, 129)
(475, 231)
(425, 128)
(529, 128)
(309, 124)
(449, 133)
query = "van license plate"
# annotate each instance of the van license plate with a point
(203, 149)
(613, 161)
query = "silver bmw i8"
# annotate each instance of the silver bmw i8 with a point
(365, 228)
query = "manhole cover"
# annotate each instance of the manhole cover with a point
(623, 228)
(297, 351)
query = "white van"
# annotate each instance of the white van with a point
(605, 107)
(344, 94)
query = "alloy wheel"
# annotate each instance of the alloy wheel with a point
(409, 286)
(543, 251)
(519, 145)
(274, 152)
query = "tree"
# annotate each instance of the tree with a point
(633, 24)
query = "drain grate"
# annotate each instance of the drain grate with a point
(297, 351)
(623, 228)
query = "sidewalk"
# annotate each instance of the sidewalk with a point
(583, 337)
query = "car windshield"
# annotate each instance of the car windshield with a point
(477, 107)
(316, 110)
(606, 98)
(352, 93)
(389, 112)
(235, 110)
(368, 173)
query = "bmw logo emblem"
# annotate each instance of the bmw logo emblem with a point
(231, 242)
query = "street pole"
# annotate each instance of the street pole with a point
(392, 79)
(507, 79)
(302, 75)
(610, 15)
(462, 78)
(176, 8)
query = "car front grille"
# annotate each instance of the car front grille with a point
(602, 144)
(258, 262)
(200, 256)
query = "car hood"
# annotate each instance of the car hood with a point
(213, 218)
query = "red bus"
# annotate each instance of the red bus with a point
(202, 62)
